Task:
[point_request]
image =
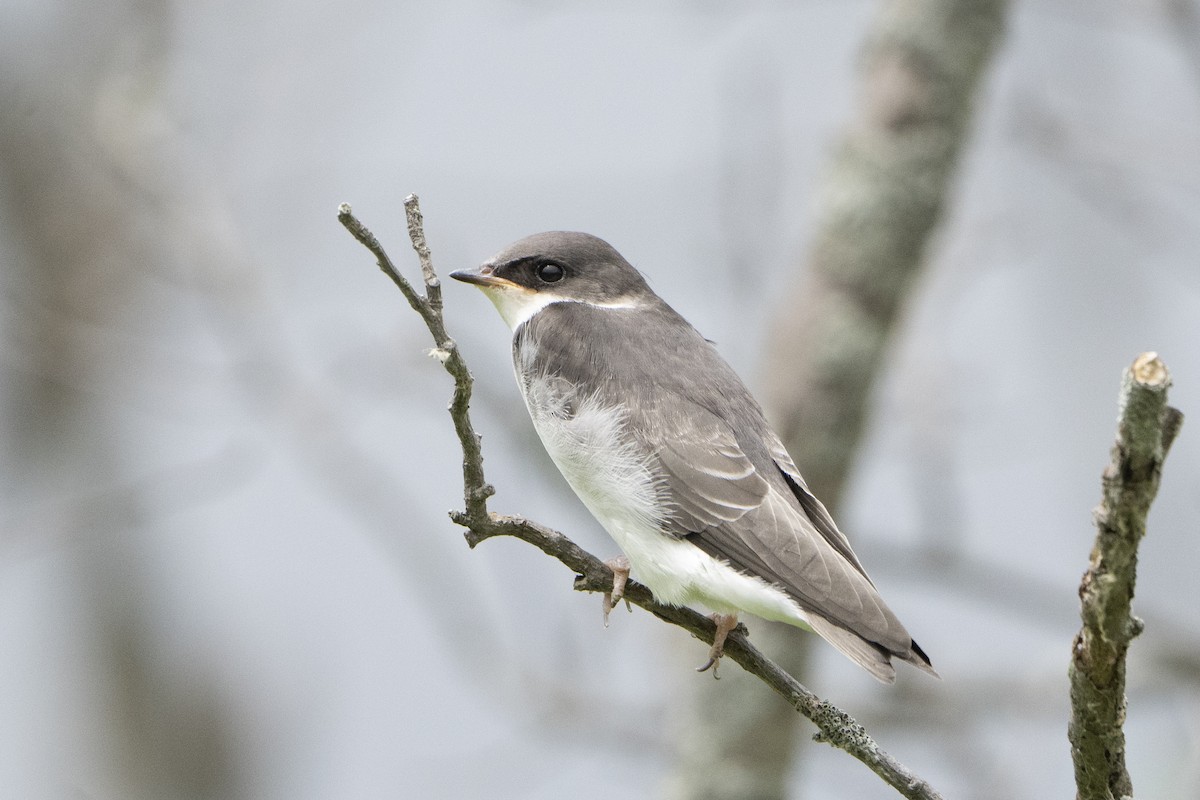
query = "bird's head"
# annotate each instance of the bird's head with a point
(556, 267)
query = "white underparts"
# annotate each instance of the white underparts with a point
(614, 480)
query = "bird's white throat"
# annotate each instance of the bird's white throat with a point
(517, 305)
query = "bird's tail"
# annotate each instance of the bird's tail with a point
(872, 657)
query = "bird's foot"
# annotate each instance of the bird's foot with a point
(620, 568)
(725, 623)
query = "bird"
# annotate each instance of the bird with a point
(669, 451)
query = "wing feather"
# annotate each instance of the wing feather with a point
(815, 510)
(710, 481)
(757, 523)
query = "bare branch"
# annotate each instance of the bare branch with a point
(416, 234)
(1146, 428)
(835, 726)
(476, 490)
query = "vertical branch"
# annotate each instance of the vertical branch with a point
(1146, 428)
(416, 235)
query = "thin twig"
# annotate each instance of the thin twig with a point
(835, 726)
(416, 234)
(476, 490)
(1146, 428)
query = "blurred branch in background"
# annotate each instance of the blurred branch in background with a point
(884, 195)
(1146, 428)
(82, 194)
(1183, 17)
(1038, 601)
(835, 726)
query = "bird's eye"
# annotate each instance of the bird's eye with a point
(549, 272)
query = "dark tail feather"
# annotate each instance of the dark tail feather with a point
(916, 656)
(869, 655)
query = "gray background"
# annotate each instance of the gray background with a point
(225, 566)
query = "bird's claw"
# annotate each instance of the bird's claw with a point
(725, 623)
(713, 663)
(620, 570)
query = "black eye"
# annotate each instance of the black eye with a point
(549, 272)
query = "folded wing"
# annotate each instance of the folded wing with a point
(761, 519)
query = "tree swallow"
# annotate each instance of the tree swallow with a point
(666, 447)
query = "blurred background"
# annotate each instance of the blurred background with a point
(226, 569)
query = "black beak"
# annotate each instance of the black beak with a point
(481, 276)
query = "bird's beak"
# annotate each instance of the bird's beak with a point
(483, 276)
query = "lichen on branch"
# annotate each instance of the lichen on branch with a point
(1146, 428)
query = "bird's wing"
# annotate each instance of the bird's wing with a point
(709, 480)
(813, 508)
(732, 509)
